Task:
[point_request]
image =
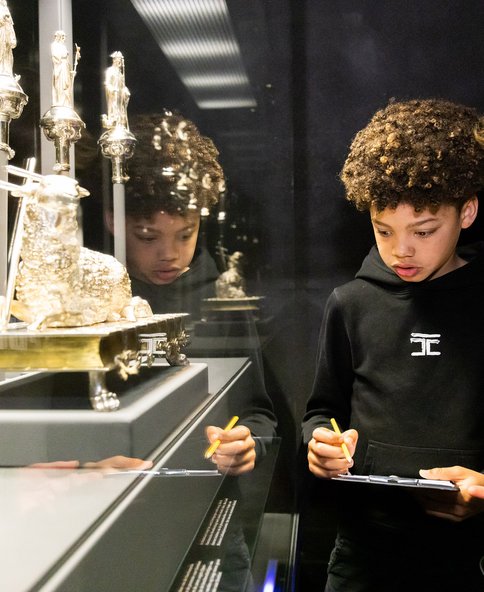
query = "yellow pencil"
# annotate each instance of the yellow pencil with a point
(216, 443)
(344, 448)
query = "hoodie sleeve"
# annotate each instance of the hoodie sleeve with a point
(256, 409)
(332, 387)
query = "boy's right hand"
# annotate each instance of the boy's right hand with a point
(325, 455)
(236, 454)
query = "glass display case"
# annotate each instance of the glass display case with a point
(179, 525)
(104, 481)
(280, 87)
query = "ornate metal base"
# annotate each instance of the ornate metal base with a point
(63, 126)
(123, 346)
(231, 309)
(12, 101)
(118, 144)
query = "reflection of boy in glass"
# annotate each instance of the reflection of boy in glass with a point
(175, 175)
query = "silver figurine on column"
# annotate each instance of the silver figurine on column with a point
(61, 124)
(12, 101)
(118, 144)
(12, 97)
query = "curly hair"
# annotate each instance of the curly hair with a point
(479, 132)
(174, 168)
(420, 152)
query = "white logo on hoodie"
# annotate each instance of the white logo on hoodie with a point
(426, 340)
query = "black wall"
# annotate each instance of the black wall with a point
(352, 56)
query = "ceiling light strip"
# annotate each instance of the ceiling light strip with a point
(198, 39)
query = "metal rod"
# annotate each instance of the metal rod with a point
(26, 173)
(7, 186)
(3, 221)
(16, 245)
(119, 223)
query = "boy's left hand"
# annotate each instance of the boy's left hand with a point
(113, 462)
(449, 505)
(236, 453)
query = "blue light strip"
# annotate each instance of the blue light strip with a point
(270, 578)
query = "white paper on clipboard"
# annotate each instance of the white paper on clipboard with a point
(394, 480)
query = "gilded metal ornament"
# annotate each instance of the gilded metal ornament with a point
(231, 283)
(12, 97)
(123, 346)
(61, 124)
(73, 306)
(117, 143)
(76, 304)
(59, 282)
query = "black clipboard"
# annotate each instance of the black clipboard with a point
(395, 481)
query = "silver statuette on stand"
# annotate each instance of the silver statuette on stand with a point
(118, 144)
(12, 97)
(12, 102)
(61, 124)
(74, 307)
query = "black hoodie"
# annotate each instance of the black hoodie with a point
(403, 363)
(185, 294)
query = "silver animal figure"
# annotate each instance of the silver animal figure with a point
(59, 282)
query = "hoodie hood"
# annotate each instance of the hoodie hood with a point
(374, 270)
(186, 292)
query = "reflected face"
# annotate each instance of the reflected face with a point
(159, 249)
(421, 245)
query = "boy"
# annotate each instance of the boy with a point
(175, 176)
(401, 358)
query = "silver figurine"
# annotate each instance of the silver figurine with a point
(12, 97)
(231, 283)
(8, 40)
(61, 124)
(117, 143)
